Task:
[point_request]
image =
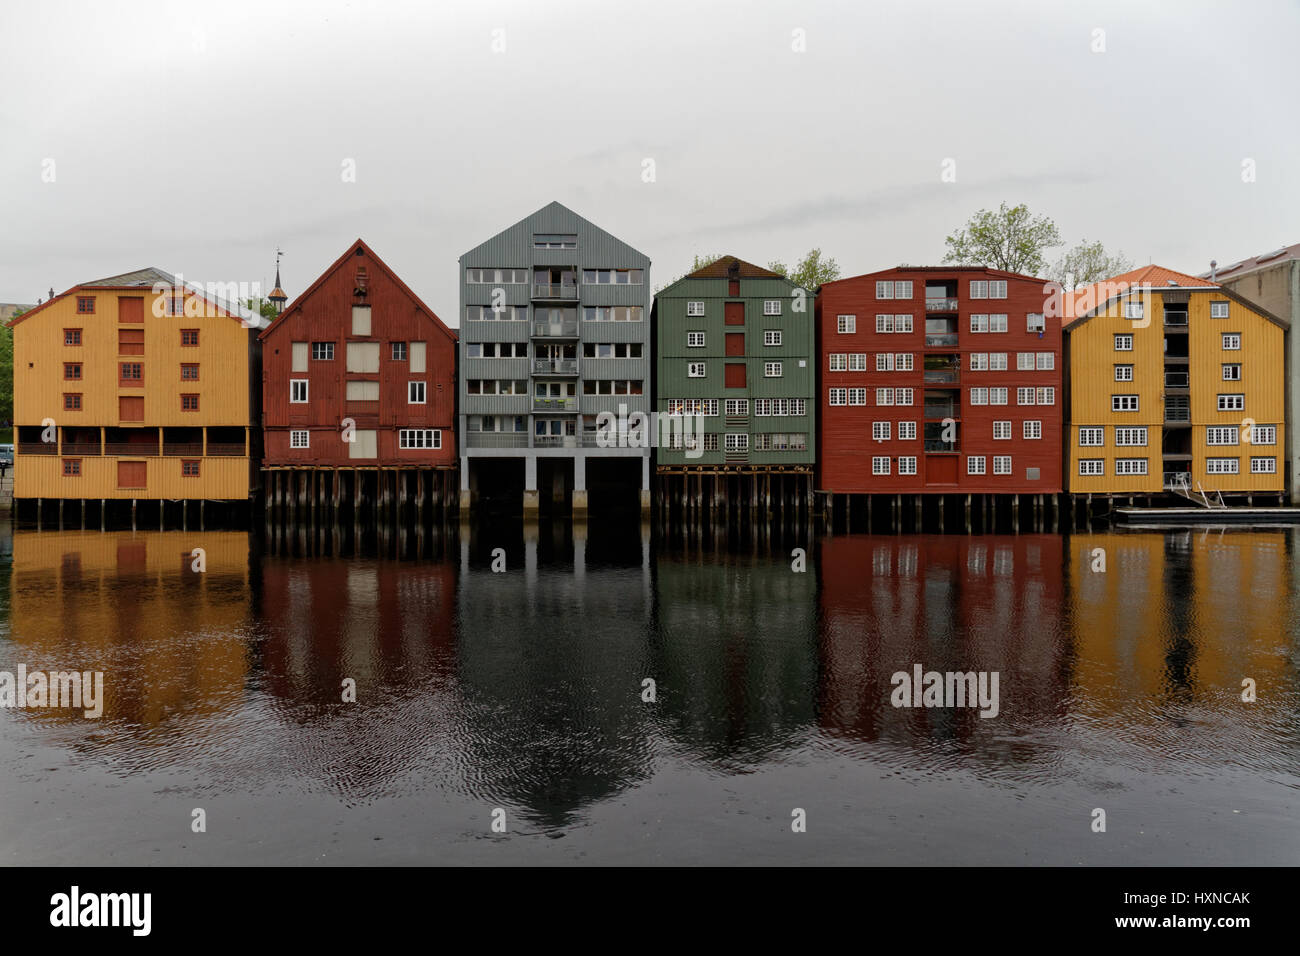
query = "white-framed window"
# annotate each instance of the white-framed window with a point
(857, 396)
(884, 289)
(884, 361)
(1001, 464)
(998, 396)
(1123, 403)
(1218, 310)
(419, 438)
(880, 431)
(1130, 466)
(771, 306)
(1232, 403)
(1024, 361)
(299, 438)
(771, 369)
(695, 340)
(979, 361)
(979, 288)
(903, 396)
(737, 442)
(1123, 343)
(880, 465)
(838, 361)
(1222, 466)
(884, 396)
(907, 465)
(998, 322)
(1134, 435)
(884, 323)
(1001, 431)
(1035, 322)
(398, 351)
(979, 323)
(696, 369)
(997, 288)
(1231, 341)
(736, 407)
(1263, 435)
(903, 323)
(415, 393)
(1046, 361)
(1222, 435)
(903, 289)
(1232, 372)
(490, 276)
(907, 431)
(1123, 373)
(1031, 429)
(979, 396)
(902, 361)
(695, 308)
(1024, 396)
(1045, 395)
(838, 396)
(322, 351)
(771, 336)
(1133, 310)
(857, 361)
(997, 361)
(297, 390)
(1092, 466)
(975, 464)
(1263, 466)
(846, 324)
(1091, 436)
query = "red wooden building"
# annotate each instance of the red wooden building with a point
(359, 373)
(937, 380)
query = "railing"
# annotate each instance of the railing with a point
(224, 449)
(563, 290)
(1176, 380)
(1175, 318)
(80, 448)
(938, 444)
(1180, 481)
(555, 404)
(555, 441)
(1178, 414)
(941, 411)
(131, 449)
(496, 439)
(555, 366)
(939, 375)
(940, 305)
(37, 448)
(556, 330)
(940, 340)
(185, 449)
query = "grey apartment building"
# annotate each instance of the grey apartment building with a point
(555, 329)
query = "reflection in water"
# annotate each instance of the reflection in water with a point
(509, 672)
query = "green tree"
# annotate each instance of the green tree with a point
(1010, 239)
(7, 369)
(263, 307)
(811, 272)
(699, 262)
(1086, 263)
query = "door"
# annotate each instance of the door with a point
(735, 375)
(130, 408)
(130, 308)
(734, 313)
(132, 474)
(736, 343)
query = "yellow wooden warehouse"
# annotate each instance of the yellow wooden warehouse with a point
(133, 388)
(1174, 385)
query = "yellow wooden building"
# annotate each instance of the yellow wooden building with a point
(1173, 384)
(134, 387)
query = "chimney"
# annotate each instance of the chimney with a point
(51, 292)
(1214, 269)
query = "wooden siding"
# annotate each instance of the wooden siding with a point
(41, 476)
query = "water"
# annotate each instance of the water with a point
(522, 690)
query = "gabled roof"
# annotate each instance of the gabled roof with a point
(983, 270)
(1083, 304)
(722, 269)
(554, 217)
(1262, 261)
(145, 278)
(350, 253)
(148, 276)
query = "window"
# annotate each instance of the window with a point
(1045, 396)
(85, 305)
(1046, 361)
(736, 407)
(1218, 310)
(884, 323)
(880, 465)
(72, 336)
(1031, 430)
(1034, 322)
(880, 431)
(399, 351)
(189, 372)
(1001, 464)
(1232, 403)
(419, 438)
(695, 369)
(772, 337)
(496, 276)
(1131, 436)
(1090, 436)
(1232, 372)
(695, 308)
(845, 324)
(1232, 341)
(189, 402)
(997, 288)
(857, 396)
(72, 468)
(997, 361)
(979, 396)
(884, 396)
(1263, 466)
(902, 323)
(1221, 435)
(1123, 343)
(1123, 403)
(1134, 310)
(903, 289)
(1024, 396)
(771, 306)
(1024, 361)
(907, 465)
(902, 361)
(997, 396)
(907, 431)
(555, 241)
(1092, 466)
(322, 351)
(131, 374)
(361, 320)
(190, 338)
(838, 361)
(979, 288)
(1263, 435)
(695, 340)
(979, 361)
(72, 371)
(1123, 373)
(974, 464)
(1221, 466)
(839, 396)
(998, 322)
(979, 323)
(612, 276)
(771, 369)
(415, 392)
(1001, 430)
(189, 468)
(175, 303)
(736, 442)
(1130, 466)
(300, 438)
(72, 401)
(884, 362)
(903, 396)
(858, 361)
(297, 390)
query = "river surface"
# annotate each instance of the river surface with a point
(503, 677)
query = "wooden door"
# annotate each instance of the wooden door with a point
(734, 313)
(735, 375)
(736, 343)
(130, 408)
(132, 474)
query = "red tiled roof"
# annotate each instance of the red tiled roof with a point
(721, 270)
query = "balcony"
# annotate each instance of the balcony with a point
(942, 410)
(939, 376)
(945, 340)
(939, 445)
(1177, 379)
(555, 441)
(555, 404)
(78, 448)
(1176, 319)
(1177, 414)
(132, 449)
(37, 448)
(555, 366)
(186, 449)
(222, 449)
(496, 439)
(567, 329)
(940, 304)
(556, 292)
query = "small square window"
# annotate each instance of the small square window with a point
(189, 468)
(415, 393)
(189, 403)
(72, 468)
(189, 372)
(399, 351)
(72, 401)
(85, 305)
(189, 337)
(72, 336)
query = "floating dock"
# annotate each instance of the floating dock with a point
(1202, 517)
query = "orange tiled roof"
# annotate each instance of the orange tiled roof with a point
(1082, 301)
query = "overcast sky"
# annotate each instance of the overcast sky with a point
(198, 136)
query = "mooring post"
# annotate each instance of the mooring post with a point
(101, 513)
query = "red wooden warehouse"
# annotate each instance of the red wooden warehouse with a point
(359, 374)
(939, 380)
